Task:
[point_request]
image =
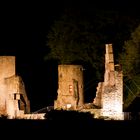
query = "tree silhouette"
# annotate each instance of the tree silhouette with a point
(80, 36)
(130, 60)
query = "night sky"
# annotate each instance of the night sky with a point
(23, 33)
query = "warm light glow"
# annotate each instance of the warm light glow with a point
(69, 106)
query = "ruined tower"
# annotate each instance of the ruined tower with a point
(109, 95)
(70, 87)
(7, 69)
(113, 87)
(13, 98)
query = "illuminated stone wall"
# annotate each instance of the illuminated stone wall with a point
(113, 87)
(13, 98)
(70, 87)
(17, 102)
(98, 100)
(7, 69)
(38, 116)
(109, 95)
(113, 98)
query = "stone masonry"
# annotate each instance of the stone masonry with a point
(13, 98)
(70, 87)
(109, 95)
(107, 104)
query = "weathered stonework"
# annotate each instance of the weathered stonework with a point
(17, 101)
(108, 103)
(109, 93)
(98, 100)
(6, 70)
(38, 116)
(70, 87)
(13, 98)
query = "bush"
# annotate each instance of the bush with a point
(68, 115)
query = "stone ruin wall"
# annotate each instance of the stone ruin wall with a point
(109, 95)
(17, 101)
(98, 99)
(11, 90)
(113, 99)
(70, 87)
(38, 116)
(6, 70)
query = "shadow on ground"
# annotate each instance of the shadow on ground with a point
(70, 123)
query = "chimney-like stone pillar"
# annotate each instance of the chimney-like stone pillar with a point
(109, 77)
(109, 94)
(112, 95)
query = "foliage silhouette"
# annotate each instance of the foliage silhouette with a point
(68, 115)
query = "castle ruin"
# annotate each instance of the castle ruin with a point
(13, 98)
(14, 102)
(70, 87)
(109, 95)
(108, 102)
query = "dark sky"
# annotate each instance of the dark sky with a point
(24, 28)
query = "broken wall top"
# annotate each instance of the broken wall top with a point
(7, 66)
